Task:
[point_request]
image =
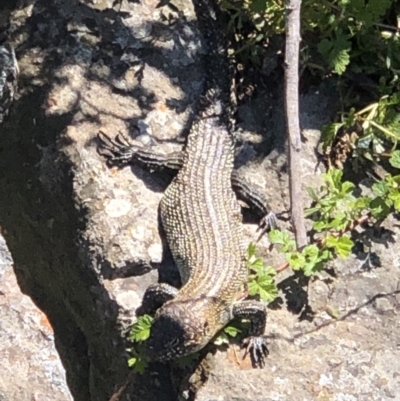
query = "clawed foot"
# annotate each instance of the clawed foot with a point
(257, 347)
(118, 151)
(267, 223)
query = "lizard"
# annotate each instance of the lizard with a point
(201, 218)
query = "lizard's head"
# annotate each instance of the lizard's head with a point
(179, 329)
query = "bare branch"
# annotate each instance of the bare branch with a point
(292, 118)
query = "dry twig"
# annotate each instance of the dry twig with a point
(292, 118)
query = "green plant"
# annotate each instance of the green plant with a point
(375, 133)
(356, 41)
(140, 332)
(261, 278)
(336, 211)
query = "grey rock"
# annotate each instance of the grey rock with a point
(31, 368)
(76, 228)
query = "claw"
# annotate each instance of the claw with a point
(267, 223)
(257, 347)
(118, 151)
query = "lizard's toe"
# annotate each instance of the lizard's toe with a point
(258, 349)
(267, 223)
(118, 151)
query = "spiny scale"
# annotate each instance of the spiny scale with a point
(201, 216)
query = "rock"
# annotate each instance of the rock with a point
(31, 368)
(82, 235)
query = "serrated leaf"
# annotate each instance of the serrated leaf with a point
(311, 253)
(264, 287)
(396, 204)
(340, 60)
(329, 133)
(333, 178)
(140, 330)
(310, 269)
(395, 159)
(268, 293)
(257, 265)
(296, 260)
(336, 51)
(375, 9)
(258, 6)
(342, 245)
(347, 187)
(379, 208)
(361, 203)
(251, 250)
(139, 365)
(319, 225)
(380, 188)
(278, 237)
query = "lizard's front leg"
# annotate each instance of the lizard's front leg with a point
(256, 343)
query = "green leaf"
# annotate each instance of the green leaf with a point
(325, 47)
(380, 188)
(140, 330)
(251, 250)
(395, 159)
(132, 361)
(379, 208)
(138, 364)
(296, 260)
(333, 178)
(340, 60)
(342, 245)
(312, 194)
(264, 287)
(310, 269)
(311, 210)
(231, 331)
(350, 118)
(311, 253)
(329, 133)
(336, 51)
(283, 238)
(361, 203)
(375, 9)
(320, 225)
(347, 187)
(258, 6)
(394, 194)
(277, 236)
